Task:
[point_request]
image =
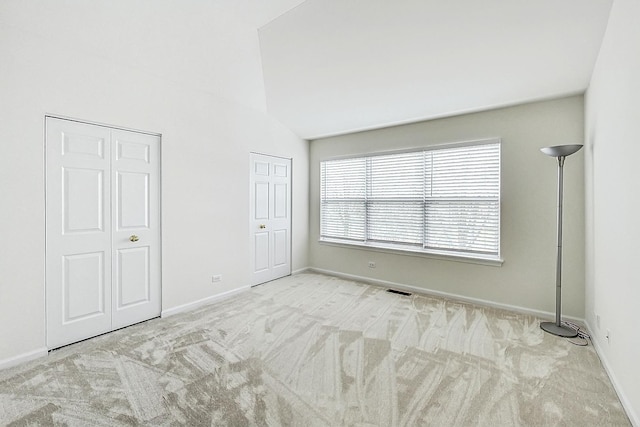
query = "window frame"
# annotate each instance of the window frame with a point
(409, 249)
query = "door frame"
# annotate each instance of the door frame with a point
(45, 179)
(290, 193)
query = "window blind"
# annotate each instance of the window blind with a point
(343, 199)
(443, 200)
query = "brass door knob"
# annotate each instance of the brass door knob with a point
(134, 238)
(263, 226)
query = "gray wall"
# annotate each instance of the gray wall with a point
(528, 209)
(613, 203)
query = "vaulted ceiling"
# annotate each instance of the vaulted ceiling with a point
(339, 66)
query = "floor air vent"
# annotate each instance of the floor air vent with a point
(393, 291)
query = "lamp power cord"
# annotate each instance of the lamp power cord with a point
(583, 337)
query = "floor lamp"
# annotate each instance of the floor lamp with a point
(560, 152)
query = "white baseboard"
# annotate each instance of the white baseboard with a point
(626, 403)
(424, 291)
(22, 358)
(208, 300)
(301, 270)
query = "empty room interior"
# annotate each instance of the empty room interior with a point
(319, 212)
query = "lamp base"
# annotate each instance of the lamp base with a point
(561, 331)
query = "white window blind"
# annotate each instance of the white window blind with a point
(433, 200)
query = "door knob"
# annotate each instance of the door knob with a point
(263, 226)
(134, 238)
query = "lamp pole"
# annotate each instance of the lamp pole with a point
(560, 152)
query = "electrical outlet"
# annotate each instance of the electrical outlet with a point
(216, 278)
(372, 264)
(608, 337)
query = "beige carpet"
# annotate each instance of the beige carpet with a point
(312, 350)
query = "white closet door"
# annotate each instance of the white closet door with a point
(270, 222)
(78, 238)
(103, 230)
(136, 227)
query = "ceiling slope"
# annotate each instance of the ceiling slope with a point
(336, 66)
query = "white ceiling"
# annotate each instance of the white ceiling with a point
(339, 66)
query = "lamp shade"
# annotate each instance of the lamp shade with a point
(561, 150)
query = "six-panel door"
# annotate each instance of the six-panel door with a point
(136, 227)
(102, 229)
(270, 221)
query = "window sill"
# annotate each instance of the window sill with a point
(441, 255)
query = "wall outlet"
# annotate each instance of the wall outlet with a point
(608, 337)
(216, 278)
(372, 264)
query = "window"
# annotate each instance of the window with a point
(436, 200)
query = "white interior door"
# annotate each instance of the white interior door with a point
(270, 222)
(78, 238)
(102, 185)
(135, 180)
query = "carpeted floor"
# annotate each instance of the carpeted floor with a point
(313, 350)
